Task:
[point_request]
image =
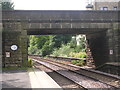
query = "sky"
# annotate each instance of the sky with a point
(50, 4)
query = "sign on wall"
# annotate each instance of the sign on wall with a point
(111, 52)
(14, 47)
(7, 54)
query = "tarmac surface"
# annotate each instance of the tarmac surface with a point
(31, 78)
(15, 79)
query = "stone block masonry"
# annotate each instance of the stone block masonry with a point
(102, 29)
(14, 36)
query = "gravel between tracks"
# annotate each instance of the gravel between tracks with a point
(100, 76)
(82, 80)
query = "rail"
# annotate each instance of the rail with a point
(98, 75)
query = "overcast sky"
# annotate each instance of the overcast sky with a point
(50, 4)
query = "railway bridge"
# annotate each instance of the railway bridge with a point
(102, 29)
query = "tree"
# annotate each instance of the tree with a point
(61, 39)
(38, 44)
(7, 6)
(47, 48)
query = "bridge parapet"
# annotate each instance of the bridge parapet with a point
(61, 16)
(85, 21)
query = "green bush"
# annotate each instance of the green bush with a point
(63, 51)
(77, 55)
(78, 62)
(30, 62)
(67, 51)
(57, 45)
(47, 49)
(74, 61)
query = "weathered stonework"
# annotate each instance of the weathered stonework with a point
(101, 28)
(112, 36)
(14, 36)
(89, 59)
(98, 46)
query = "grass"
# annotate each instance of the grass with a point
(78, 62)
(30, 64)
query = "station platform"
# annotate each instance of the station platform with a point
(114, 63)
(31, 78)
(110, 67)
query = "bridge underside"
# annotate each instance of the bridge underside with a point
(61, 31)
(101, 28)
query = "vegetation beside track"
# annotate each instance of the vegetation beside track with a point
(58, 45)
(78, 62)
(30, 64)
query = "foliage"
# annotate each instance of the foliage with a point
(61, 39)
(57, 45)
(7, 6)
(29, 62)
(78, 62)
(36, 44)
(45, 45)
(78, 55)
(47, 49)
(64, 50)
(78, 42)
(38, 41)
(33, 50)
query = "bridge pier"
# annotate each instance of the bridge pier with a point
(14, 36)
(112, 37)
(98, 46)
(105, 46)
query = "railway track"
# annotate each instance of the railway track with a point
(64, 82)
(81, 76)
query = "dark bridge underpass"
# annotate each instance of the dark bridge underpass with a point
(102, 29)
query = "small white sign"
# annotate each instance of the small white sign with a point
(14, 47)
(111, 52)
(7, 54)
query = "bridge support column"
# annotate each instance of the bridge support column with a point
(98, 46)
(113, 36)
(105, 46)
(14, 36)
